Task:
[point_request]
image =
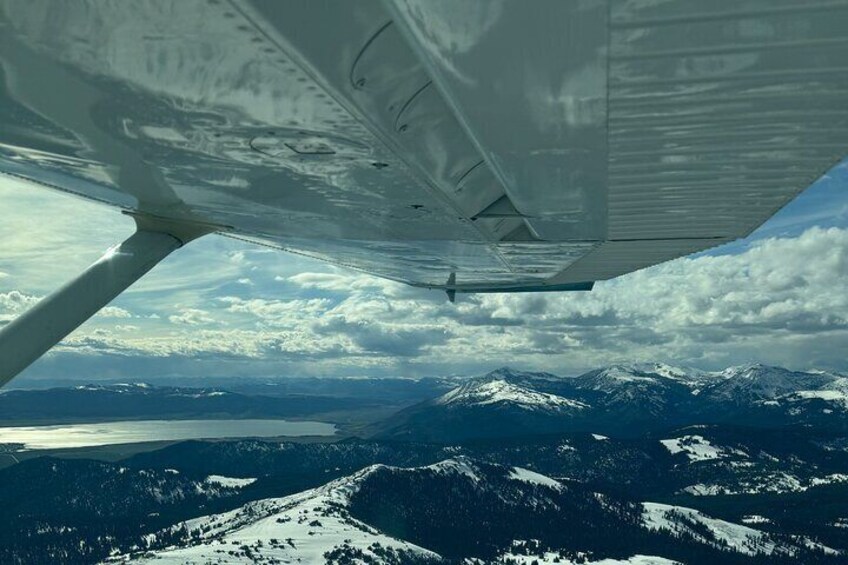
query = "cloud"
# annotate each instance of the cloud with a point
(780, 299)
(346, 281)
(775, 284)
(277, 312)
(114, 312)
(16, 302)
(191, 317)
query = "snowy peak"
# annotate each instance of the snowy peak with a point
(697, 448)
(495, 389)
(767, 374)
(762, 382)
(504, 372)
(458, 469)
(615, 377)
(461, 466)
(515, 376)
(754, 371)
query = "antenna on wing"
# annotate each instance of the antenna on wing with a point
(450, 288)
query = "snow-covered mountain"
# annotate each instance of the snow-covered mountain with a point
(641, 391)
(460, 510)
(612, 378)
(623, 400)
(762, 395)
(498, 404)
(497, 389)
(307, 527)
(756, 383)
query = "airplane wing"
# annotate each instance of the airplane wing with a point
(468, 145)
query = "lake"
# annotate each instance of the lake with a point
(108, 433)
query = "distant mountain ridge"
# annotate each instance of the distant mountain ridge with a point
(133, 401)
(623, 399)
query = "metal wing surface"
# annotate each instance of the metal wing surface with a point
(481, 145)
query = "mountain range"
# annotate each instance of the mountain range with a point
(643, 464)
(623, 400)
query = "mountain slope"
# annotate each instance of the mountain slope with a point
(503, 393)
(75, 510)
(638, 394)
(459, 509)
(748, 384)
(306, 527)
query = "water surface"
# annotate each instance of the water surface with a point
(108, 433)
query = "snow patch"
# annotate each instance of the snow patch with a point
(755, 519)
(829, 479)
(228, 482)
(766, 483)
(679, 521)
(840, 523)
(532, 477)
(698, 448)
(837, 397)
(458, 465)
(550, 558)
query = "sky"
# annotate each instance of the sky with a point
(224, 308)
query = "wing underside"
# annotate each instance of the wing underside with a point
(498, 145)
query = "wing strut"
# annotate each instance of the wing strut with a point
(33, 333)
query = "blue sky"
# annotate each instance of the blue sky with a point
(224, 308)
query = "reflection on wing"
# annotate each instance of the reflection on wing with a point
(493, 144)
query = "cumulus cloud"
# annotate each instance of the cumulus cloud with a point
(349, 282)
(793, 283)
(191, 317)
(242, 309)
(778, 288)
(114, 312)
(276, 312)
(15, 301)
(782, 300)
(221, 306)
(709, 309)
